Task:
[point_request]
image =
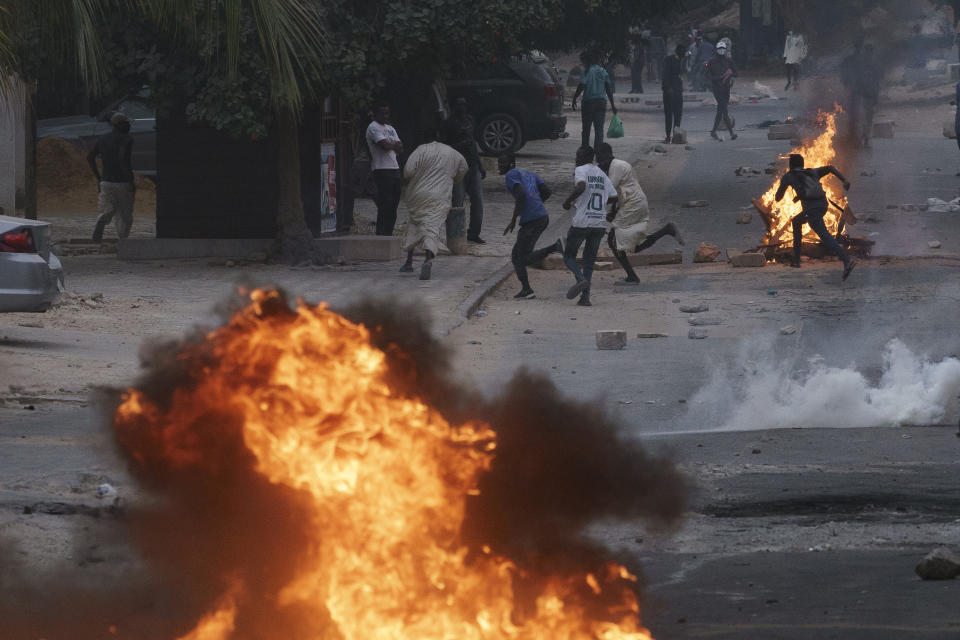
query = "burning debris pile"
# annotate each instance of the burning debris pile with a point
(308, 490)
(777, 216)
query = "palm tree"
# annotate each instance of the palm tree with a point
(292, 40)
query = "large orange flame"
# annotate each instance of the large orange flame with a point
(817, 153)
(389, 480)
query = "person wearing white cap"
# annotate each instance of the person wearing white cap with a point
(116, 187)
(721, 71)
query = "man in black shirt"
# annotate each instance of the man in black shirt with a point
(672, 85)
(116, 187)
(458, 132)
(806, 184)
(721, 72)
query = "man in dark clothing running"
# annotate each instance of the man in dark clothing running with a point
(458, 132)
(529, 193)
(721, 72)
(806, 184)
(115, 187)
(672, 85)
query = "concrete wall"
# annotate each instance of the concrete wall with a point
(12, 159)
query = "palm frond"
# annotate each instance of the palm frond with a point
(292, 36)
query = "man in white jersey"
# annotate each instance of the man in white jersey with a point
(592, 193)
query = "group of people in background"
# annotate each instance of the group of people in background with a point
(606, 191)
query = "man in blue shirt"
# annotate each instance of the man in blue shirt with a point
(529, 192)
(596, 89)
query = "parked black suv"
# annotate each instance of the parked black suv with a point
(514, 102)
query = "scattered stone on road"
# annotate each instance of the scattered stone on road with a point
(694, 308)
(703, 322)
(934, 244)
(746, 259)
(697, 334)
(611, 340)
(643, 336)
(694, 204)
(788, 330)
(745, 217)
(939, 564)
(747, 171)
(706, 252)
(528, 331)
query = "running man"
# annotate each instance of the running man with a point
(430, 172)
(592, 193)
(813, 199)
(529, 193)
(630, 214)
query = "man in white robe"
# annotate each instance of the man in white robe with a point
(631, 213)
(429, 174)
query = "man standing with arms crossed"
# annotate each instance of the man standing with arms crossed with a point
(596, 89)
(592, 193)
(529, 193)
(115, 187)
(384, 145)
(806, 184)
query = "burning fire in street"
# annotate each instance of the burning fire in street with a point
(386, 480)
(778, 215)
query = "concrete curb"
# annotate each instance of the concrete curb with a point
(473, 301)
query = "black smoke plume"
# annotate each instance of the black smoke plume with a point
(212, 518)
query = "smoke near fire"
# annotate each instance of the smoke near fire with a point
(313, 478)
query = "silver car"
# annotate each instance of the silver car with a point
(31, 276)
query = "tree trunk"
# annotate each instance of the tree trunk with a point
(294, 239)
(30, 153)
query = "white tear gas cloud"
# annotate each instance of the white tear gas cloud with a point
(771, 393)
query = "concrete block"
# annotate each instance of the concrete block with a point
(950, 129)
(783, 132)
(603, 266)
(611, 340)
(360, 248)
(745, 217)
(648, 259)
(741, 259)
(883, 129)
(937, 66)
(953, 69)
(456, 227)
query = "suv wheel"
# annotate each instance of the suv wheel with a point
(500, 133)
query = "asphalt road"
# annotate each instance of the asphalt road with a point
(809, 530)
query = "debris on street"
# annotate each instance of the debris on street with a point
(694, 308)
(611, 340)
(706, 252)
(939, 564)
